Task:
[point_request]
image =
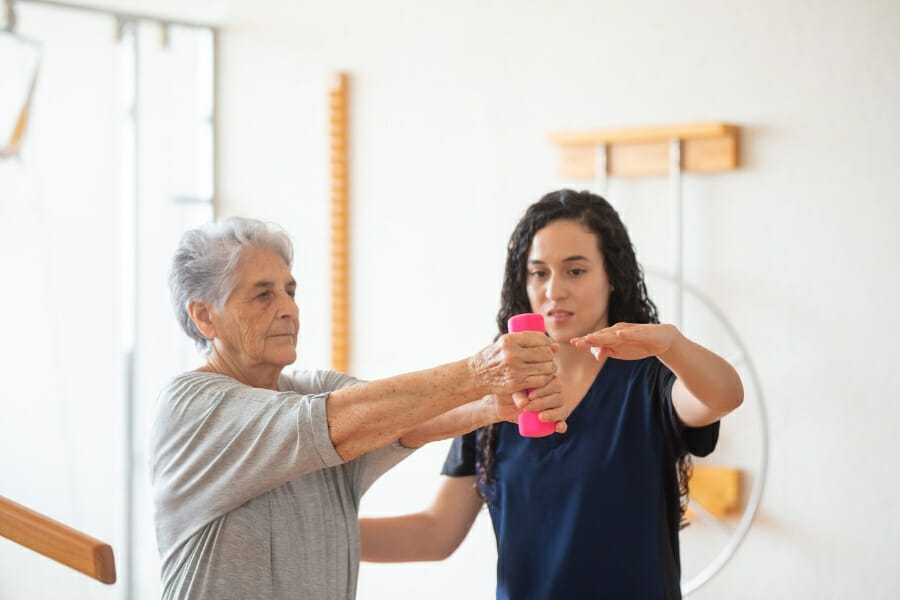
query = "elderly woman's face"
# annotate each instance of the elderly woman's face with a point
(260, 321)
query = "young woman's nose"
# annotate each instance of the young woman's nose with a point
(556, 288)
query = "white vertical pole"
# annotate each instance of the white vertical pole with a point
(601, 176)
(677, 228)
(131, 395)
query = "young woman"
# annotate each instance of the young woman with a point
(594, 512)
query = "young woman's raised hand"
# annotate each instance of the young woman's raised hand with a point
(629, 341)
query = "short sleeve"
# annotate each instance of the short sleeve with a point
(366, 468)
(699, 441)
(217, 443)
(314, 382)
(460, 460)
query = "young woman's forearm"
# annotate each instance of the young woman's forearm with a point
(453, 423)
(488, 410)
(433, 534)
(713, 386)
(402, 539)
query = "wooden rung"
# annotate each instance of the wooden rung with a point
(57, 541)
(717, 489)
(645, 151)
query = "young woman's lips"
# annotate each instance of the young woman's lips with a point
(559, 316)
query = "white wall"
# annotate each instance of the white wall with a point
(451, 107)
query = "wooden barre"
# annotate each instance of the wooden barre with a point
(57, 541)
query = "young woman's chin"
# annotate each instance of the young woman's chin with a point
(562, 334)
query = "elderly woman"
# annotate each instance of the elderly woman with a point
(257, 472)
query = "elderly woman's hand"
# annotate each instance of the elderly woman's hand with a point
(547, 400)
(516, 361)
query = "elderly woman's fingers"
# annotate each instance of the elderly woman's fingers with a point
(526, 339)
(506, 407)
(560, 413)
(546, 394)
(551, 408)
(516, 362)
(520, 399)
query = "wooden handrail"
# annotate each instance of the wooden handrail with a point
(57, 541)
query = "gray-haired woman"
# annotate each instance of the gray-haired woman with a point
(257, 472)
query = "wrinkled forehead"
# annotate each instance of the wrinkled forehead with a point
(259, 267)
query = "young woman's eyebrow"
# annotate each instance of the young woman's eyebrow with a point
(574, 258)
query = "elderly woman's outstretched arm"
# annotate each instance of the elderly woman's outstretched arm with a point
(371, 414)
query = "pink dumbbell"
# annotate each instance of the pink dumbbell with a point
(529, 424)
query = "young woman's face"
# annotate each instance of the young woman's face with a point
(566, 280)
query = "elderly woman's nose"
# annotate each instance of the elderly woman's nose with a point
(288, 307)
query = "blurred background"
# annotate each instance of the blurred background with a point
(147, 118)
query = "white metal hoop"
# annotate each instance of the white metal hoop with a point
(755, 496)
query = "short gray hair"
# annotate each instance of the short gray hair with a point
(203, 268)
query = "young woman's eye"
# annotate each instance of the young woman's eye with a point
(577, 271)
(537, 274)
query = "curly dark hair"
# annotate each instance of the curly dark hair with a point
(628, 301)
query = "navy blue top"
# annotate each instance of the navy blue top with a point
(592, 513)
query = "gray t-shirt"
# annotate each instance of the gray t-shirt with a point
(251, 500)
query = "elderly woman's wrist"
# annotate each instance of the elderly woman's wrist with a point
(474, 381)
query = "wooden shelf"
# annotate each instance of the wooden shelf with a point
(717, 489)
(645, 151)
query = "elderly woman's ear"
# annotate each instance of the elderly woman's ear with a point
(199, 312)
